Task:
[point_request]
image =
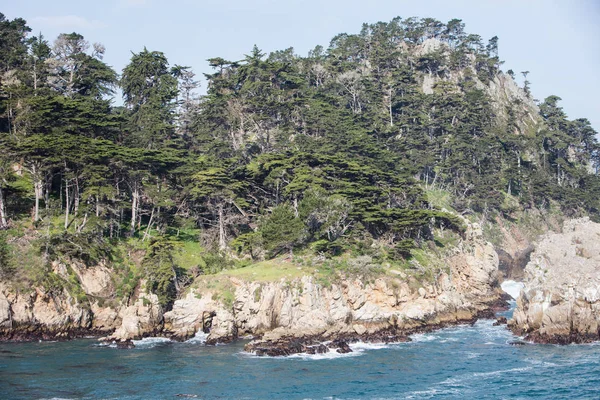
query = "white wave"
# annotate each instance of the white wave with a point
(150, 342)
(435, 392)
(112, 345)
(513, 288)
(362, 346)
(332, 354)
(357, 349)
(449, 340)
(423, 337)
(199, 338)
(540, 363)
(57, 398)
(501, 372)
(487, 330)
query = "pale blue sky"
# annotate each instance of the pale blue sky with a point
(558, 41)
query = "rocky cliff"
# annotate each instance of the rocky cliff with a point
(390, 303)
(388, 307)
(561, 299)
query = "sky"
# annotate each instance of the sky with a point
(557, 41)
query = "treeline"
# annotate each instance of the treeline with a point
(333, 150)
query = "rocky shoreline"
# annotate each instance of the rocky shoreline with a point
(274, 346)
(297, 314)
(560, 303)
(304, 315)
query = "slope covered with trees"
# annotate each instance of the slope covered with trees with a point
(362, 147)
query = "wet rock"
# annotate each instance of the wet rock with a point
(500, 321)
(125, 344)
(341, 346)
(518, 343)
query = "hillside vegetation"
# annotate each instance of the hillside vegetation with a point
(370, 147)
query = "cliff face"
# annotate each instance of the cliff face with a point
(351, 306)
(298, 308)
(40, 314)
(561, 299)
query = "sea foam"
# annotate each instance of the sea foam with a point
(199, 338)
(513, 288)
(149, 342)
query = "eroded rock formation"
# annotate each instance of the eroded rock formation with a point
(304, 310)
(561, 299)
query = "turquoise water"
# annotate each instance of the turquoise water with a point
(466, 362)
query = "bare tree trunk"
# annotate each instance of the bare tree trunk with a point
(3, 223)
(67, 204)
(390, 108)
(135, 198)
(80, 227)
(296, 206)
(11, 129)
(222, 243)
(76, 196)
(147, 233)
(38, 188)
(35, 78)
(176, 281)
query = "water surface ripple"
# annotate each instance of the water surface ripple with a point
(456, 363)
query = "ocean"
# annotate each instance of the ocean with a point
(462, 362)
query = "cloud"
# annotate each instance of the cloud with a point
(67, 22)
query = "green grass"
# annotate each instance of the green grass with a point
(189, 255)
(269, 271)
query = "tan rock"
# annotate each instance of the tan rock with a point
(560, 301)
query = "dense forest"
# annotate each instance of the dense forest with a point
(374, 142)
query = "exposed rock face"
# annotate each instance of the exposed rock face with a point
(39, 314)
(43, 315)
(299, 314)
(142, 318)
(561, 299)
(516, 241)
(352, 308)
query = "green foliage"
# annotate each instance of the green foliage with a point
(248, 243)
(281, 230)
(6, 262)
(149, 89)
(344, 151)
(161, 271)
(325, 217)
(87, 247)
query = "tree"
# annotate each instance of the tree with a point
(220, 194)
(6, 262)
(164, 276)
(325, 217)
(187, 101)
(39, 53)
(13, 53)
(149, 89)
(72, 71)
(526, 83)
(281, 230)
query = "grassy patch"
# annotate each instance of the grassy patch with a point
(190, 255)
(269, 271)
